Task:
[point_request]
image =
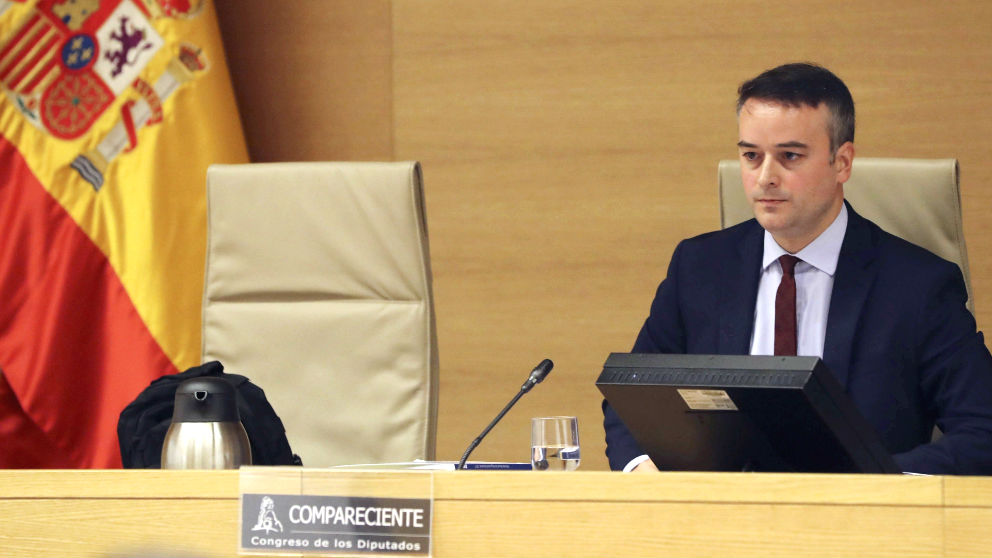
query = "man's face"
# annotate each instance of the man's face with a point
(794, 188)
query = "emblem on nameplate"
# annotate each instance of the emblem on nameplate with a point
(268, 521)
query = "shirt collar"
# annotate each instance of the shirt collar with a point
(822, 253)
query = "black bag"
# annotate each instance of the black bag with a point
(142, 425)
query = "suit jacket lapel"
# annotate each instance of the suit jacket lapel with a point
(855, 274)
(739, 293)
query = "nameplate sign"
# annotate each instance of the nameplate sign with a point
(325, 524)
(294, 511)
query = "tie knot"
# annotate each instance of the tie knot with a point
(788, 263)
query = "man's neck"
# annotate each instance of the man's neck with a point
(822, 253)
(793, 244)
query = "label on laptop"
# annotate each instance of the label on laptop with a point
(707, 400)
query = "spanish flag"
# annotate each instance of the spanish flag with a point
(110, 114)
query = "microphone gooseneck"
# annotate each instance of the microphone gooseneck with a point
(537, 376)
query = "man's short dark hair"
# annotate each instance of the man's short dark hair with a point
(800, 84)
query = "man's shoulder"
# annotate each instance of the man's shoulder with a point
(895, 249)
(898, 257)
(723, 238)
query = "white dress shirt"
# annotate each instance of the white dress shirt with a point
(814, 285)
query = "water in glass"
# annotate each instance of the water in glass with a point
(554, 443)
(557, 458)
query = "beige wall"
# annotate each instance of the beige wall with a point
(567, 146)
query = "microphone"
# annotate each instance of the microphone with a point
(537, 376)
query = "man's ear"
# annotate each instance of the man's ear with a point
(843, 160)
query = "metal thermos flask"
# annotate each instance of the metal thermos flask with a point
(206, 431)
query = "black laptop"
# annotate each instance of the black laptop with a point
(741, 413)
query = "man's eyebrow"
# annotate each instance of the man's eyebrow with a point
(788, 144)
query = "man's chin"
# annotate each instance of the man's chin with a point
(772, 222)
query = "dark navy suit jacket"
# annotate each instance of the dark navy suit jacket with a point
(899, 339)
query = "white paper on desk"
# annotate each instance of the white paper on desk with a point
(418, 464)
(423, 465)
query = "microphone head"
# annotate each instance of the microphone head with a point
(541, 371)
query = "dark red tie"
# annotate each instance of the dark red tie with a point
(785, 308)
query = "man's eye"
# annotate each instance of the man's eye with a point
(749, 155)
(792, 156)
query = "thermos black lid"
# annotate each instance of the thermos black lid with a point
(206, 399)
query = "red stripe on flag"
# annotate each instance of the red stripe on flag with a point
(72, 346)
(20, 33)
(14, 43)
(42, 74)
(25, 446)
(46, 50)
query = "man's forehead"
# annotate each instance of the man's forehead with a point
(790, 122)
(757, 103)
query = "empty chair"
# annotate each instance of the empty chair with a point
(318, 289)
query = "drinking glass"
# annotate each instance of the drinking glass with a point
(554, 443)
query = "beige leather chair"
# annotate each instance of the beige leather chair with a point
(916, 199)
(318, 289)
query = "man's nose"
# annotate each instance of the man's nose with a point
(768, 173)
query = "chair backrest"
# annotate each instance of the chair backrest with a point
(318, 289)
(915, 199)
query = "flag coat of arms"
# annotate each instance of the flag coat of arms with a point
(110, 113)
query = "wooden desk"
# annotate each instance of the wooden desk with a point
(195, 513)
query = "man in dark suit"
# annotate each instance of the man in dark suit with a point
(809, 276)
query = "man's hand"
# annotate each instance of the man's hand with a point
(646, 466)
